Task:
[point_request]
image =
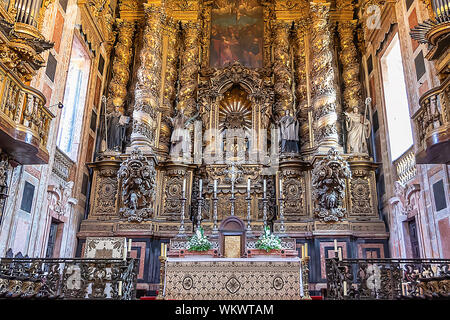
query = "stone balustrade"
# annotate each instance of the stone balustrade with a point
(25, 119)
(432, 123)
(405, 166)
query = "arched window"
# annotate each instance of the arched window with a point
(397, 110)
(74, 100)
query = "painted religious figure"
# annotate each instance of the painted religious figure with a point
(236, 33)
(116, 124)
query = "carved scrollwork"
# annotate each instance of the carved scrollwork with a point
(138, 180)
(329, 180)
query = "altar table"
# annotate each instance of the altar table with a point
(208, 278)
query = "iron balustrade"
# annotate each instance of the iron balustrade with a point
(68, 279)
(389, 279)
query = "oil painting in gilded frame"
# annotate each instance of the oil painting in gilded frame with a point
(237, 28)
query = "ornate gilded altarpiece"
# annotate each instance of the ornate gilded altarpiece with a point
(191, 62)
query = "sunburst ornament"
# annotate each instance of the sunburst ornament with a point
(235, 111)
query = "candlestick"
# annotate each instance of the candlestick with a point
(281, 188)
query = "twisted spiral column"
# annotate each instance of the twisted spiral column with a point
(121, 65)
(300, 77)
(350, 66)
(323, 86)
(189, 69)
(147, 92)
(282, 69)
(170, 78)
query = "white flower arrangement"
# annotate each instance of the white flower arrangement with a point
(268, 241)
(199, 242)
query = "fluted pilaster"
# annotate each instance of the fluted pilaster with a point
(282, 69)
(121, 65)
(323, 86)
(148, 86)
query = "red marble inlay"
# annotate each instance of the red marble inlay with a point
(134, 254)
(58, 30)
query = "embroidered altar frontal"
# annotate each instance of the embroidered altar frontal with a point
(233, 279)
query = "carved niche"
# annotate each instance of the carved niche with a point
(328, 181)
(173, 193)
(137, 176)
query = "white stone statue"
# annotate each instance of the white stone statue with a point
(358, 130)
(180, 138)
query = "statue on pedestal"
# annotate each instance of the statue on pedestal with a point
(116, 130)
(358, 131)
(180, 138)
(289, 129)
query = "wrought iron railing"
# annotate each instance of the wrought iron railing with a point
(69, 279)
(405, 166)
(360, 279)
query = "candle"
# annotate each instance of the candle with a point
(184, 187)
(265, 187)
(306, 249)
(345, 288)
(125, 250)
(165, 250)
(335, 245)
(281, 189)
(129, 245)
(215, 185)
(120, 288)
(162, 249)
(340, 254)
(248, 186)
(303, 252)
(200, 187)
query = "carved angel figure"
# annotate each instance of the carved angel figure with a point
(328, 180)
(138, 180)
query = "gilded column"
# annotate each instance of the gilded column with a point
(170, 79)
(121, 65)
(282, 69)
(323, 86)
(148, 86)
(301, 77)
(189, 69)
(350, 66)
